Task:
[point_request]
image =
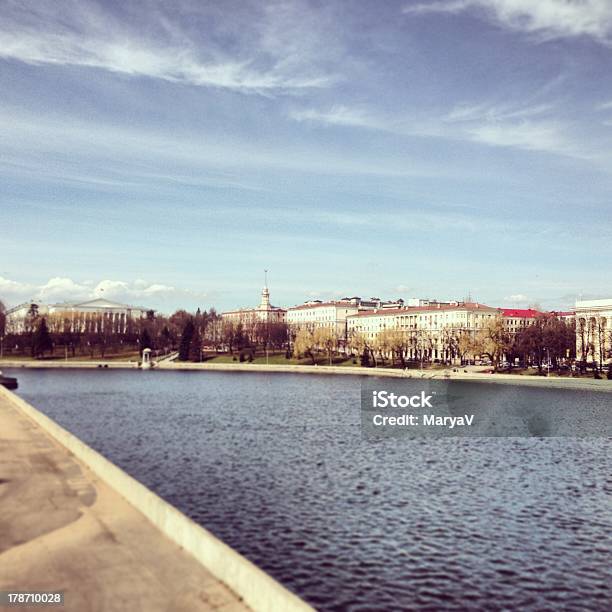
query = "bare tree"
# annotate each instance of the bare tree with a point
(493, 341)
(397, 343)
(305, 344)
(465, 344)
(359, 342)
(450, 342)
(327, 339)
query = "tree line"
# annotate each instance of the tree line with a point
(546, 340)
(189, 333)
(55, 333)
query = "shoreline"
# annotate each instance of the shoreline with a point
(585, 384)
(76, 520)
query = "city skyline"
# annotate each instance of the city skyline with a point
(408, 149)
(59, 290)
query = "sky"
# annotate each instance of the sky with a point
(166, 153)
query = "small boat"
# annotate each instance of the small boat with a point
(8, 381)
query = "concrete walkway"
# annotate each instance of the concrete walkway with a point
(63, 529)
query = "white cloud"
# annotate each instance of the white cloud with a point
(491, 112)
(529, 128)
(85, 34)
(404, 289)
(519, 297)
(341, 115)
(546, 19)
(99, 146)
(12, 292)
(546, 136)
(55, 290)
(138, 293)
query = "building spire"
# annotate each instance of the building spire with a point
(265, 294)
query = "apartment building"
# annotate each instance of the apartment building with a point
(429, 329)
(516, 319)
(323, 314)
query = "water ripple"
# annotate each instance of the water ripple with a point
(276, 467)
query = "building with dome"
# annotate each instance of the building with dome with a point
(93, 315)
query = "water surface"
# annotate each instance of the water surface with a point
(275, 465)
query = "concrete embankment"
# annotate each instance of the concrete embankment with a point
(123, 365)
(539, 381)
(72, 521)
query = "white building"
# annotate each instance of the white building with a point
(432, 330)
(265, 312)
(323, 314)
(517, 319)
(93, 315)
(594, 330)
(423, 302)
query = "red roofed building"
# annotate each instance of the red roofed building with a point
(516, 319)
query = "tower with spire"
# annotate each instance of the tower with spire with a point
(265, 294)
(264, 312)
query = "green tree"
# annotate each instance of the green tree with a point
(166, 337)
(41, 340)
(365, 358)
(240, 339)
(145, 340)
(31, 318)
(195, 350)
(185, 344)
(177, 322)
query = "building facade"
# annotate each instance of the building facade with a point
(431, 332)
(249, 317)
(517, 319)
(594, 331)
(94, 315)
(316, 313)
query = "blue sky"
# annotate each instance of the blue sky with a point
(165, 153)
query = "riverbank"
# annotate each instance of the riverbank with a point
(499, 378)
(74, 522)
(589, 384)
